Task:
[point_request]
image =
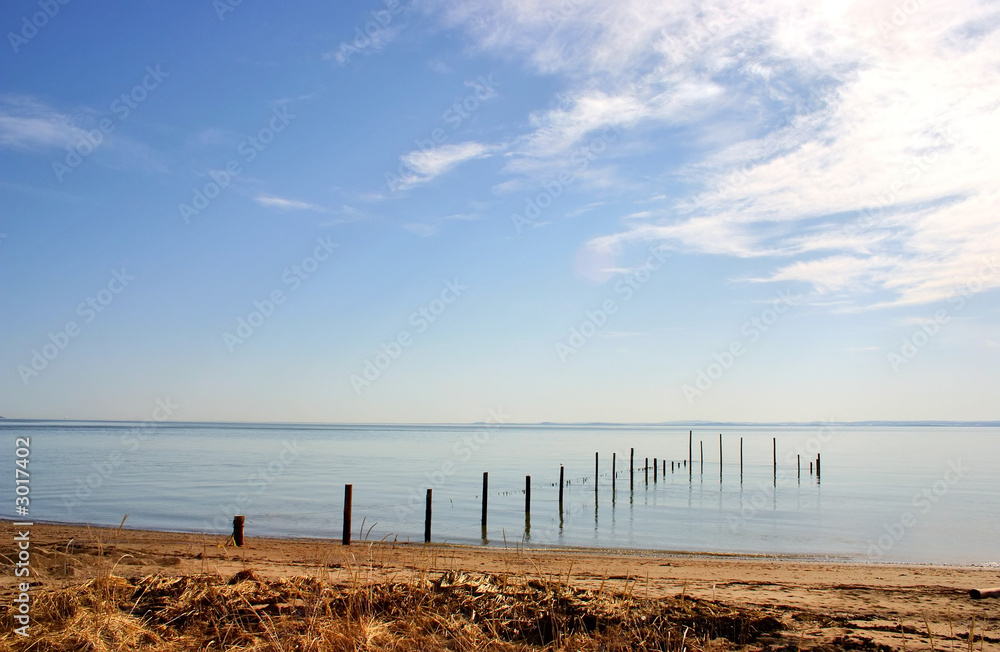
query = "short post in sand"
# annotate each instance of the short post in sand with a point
(427, 517)
(238, 530)
(979, 594)
(486, 486)
(348, 496)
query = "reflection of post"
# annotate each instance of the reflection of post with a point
(348, 491)
(486, 486)
(427, 518)
(238, 530)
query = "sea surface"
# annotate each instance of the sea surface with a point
(899, 494)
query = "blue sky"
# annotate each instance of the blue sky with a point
(425, 211)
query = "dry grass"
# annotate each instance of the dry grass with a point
(454, 611)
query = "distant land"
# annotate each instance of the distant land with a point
(558, 424)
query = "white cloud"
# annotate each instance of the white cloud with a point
(426, 164)
(287, 204)
(26, 123)
(854, 143)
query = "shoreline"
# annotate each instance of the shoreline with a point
(819, 602)
(803, 558)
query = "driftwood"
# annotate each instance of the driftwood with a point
(979, 594)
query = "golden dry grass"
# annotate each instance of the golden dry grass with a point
(455, 611)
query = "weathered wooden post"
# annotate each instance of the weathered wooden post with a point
(597, 469)
(817, 466)
(238, 530)
(486, 487)
(656, 466)
(427, 517)
(348, 496)
(690, 452)
(979, 594)
(614, 468)
(720, 457)
(527, 495)
(631, 469)
(798, 467)
(562, 475)
(741, 459)
(774, 448)
(701, 456)
(645, 469)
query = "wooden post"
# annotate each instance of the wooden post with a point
(562, 475)
(631, 469)
(690, 452)
(671, 466)
(798, 466)
(427, 517)
(810, 468)
(774, 448)
(656, 466)
(720, 457)
(665, 468)
(597, 469)
(614, 468)
(741, 459)
(527, 495)
(817, 466)
(238, 530)
(645, 469)
(979, 594)
(701, 455)
(348, 496)
(486, 487)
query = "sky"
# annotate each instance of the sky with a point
(513, 210)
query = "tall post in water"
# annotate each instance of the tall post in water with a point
(645, 469)
(562, 475)
(348, 497)
(631, 469)
(774, 448)
(427, 517)
(741, 460)
(486, 487)
(690, 453)
(527, 495)
(597, 469)
(656, 466)
(614, 468)
(720, 457)
(817, 467)
(798, 467)
(701, 456)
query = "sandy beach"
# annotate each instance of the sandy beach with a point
(819, 605)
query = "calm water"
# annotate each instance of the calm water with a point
(890, 494)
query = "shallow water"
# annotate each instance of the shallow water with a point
(914, 494)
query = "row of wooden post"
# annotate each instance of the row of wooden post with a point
(239, 520)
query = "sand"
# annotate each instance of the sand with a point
(857, 606)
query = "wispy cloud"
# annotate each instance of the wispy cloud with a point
(430, 227)
(426, 164)
(284, 204)
(26, 123)
(855, 149)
